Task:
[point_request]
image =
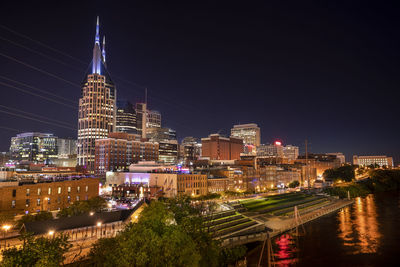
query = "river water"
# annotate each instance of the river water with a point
(366, 233)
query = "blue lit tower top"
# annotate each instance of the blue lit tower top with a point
(97, 60)
(103, 52)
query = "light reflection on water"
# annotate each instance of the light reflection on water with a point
(366, 233)
(358, 227)
(285, 250)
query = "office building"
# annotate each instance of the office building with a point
(321, 162)
(97, 106)
(33, 197)
(250, 133)
(126, 117)
(190, 150)
(291, 152)
(217, 147)
(67, 152)
(167, 141)
(66, 147)
(120, 150)
(366, 161)
(340, 156)
(170, 184)
(146, 118)
(34, 147)
(271, 150)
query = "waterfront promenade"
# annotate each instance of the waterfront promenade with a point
(281, 224)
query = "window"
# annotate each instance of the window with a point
(69, 199)
(27, 202)
(59, 200)
(86, 197)
(78, 189)
(28, 192)
(59, 190)
(48, 200)
(12, 203)
(77, 198)
(39, 191)
(49, 191)
(69, 189)
(38, 202)
(14, 193)
(86, 188)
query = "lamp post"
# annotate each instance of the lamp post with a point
(5, 227)
(51, 233)
(98, 225)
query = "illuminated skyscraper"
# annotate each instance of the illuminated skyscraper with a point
(97, 106)
(126, 117)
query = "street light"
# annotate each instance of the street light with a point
(98, 225)
(5, 227)
(51, 233)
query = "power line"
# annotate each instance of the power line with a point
(33, 114)
(34, 119)
(38, 95)
(35, 88)
(41, 54)
(10, 129)
(39, 70)
(42, 44)
(160, 99)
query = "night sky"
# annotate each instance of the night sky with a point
(301, 70)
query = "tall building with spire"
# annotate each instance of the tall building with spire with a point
(97, 106)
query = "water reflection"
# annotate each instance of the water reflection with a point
(358, 226)
(285, 250)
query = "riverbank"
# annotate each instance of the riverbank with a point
(362, 234)
(379, 181)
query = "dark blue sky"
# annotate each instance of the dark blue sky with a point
(326, 72)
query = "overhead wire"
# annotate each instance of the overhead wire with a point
(37, 89)
(38, 95)
(33, 114)
(38, 120)
(39, 70)
(157, 99)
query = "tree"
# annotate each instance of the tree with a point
(95, 204)
(40, 216)
(156, 240)
(41, 251)
(294, 184)
(168, 233)
(345, 173)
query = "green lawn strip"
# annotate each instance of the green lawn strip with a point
(282, 205)
(273, 203)
(221, 220)
(283, 195)
(228, 224)
(290, 209)
(235, 228)
(220, 215)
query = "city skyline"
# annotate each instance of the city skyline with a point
(288, 105)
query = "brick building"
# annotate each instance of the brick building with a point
(34, 197)
(120, 150)
(192, 184)
(217, 147)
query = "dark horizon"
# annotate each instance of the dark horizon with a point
(327, 73)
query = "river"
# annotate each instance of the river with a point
(366, 233)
